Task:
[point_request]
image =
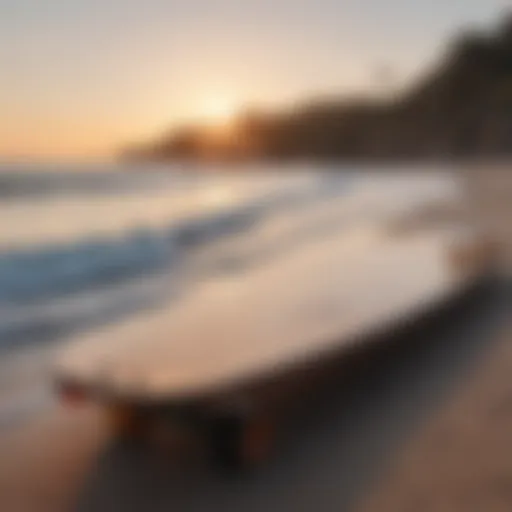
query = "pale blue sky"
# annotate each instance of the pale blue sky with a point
(79, 77)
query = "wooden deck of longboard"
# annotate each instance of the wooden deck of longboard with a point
(301, 304)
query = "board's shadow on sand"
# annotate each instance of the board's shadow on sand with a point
(345, 440)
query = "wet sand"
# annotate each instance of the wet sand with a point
(462, 459)
(44, 464)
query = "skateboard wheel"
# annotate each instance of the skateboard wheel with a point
(125, 423)
(240, 443)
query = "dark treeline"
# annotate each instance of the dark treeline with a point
(461, 109)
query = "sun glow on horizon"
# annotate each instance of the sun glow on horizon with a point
(218, 110)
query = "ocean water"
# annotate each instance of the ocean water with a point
(81, 247)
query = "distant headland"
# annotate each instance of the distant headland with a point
(461, 108)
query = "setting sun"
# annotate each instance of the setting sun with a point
(219, 110)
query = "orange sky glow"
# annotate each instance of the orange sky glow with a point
(81, 79)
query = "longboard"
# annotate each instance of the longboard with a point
(310, 297)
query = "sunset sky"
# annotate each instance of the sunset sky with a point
(78, 78)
